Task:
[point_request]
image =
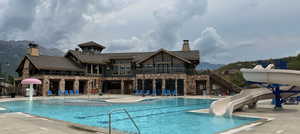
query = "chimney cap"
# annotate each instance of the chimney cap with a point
(33, 45)
(186, 46)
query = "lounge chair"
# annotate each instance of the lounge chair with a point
(142, 92)
(291, 101)
(137, 92)
(154, 92)
(60, 92)
(168, 92)
(50, 93)
(165, 92)
(147, 92)
(66, 92)
(174, 93)
(71, 92)
(77, 92)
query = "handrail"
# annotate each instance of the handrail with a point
(125, 111)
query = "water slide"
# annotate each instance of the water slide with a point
(249, 97)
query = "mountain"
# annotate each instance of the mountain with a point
(12, 52)
(206, 66)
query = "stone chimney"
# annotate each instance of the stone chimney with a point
(33, 49)
(186, 46)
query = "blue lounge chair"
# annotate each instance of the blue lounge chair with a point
(147, 92)
(154, 92)
(168, 92)
(66, 92)
(137, 92)
(174, 93)
(77, 92)
(50, 93)
(165, 92)
(142, 92)
(71, 92)
(60, 92)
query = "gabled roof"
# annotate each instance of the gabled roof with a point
(102, 58)
(91, 44)
(164, 51)
(58, 63)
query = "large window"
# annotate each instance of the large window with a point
(163, 63)
(121, 67)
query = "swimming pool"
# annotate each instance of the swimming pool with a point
(158, 116)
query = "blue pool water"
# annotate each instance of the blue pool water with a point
(161, 116)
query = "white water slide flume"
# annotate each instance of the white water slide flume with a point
(272, 76)
(268, 75)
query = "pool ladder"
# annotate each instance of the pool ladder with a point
(129, 116)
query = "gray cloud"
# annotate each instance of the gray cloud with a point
(52, 22)
(170, 19)
(19, 16)
(242, 30)
(210, 42)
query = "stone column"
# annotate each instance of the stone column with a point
(176, 86)
(143, 84)
(122, 86)
(92, 70)
(97, 66)
(154, 84)
(62, 84)
(135, 83)
(45, 87)
(76, 85)
(100, 86)
(186, 85)
(163, 85)
(207, 87)
(88, 89)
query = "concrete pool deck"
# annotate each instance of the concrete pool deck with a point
(20, 123)
(286, 121)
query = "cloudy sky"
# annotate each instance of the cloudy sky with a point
(223, 31)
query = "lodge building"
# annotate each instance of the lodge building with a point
(90, 70)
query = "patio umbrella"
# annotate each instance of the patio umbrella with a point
(30, 81)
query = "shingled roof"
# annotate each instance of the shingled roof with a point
(135, 56)
(53, 63)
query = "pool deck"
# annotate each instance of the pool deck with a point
(286, 121)
(20, 123)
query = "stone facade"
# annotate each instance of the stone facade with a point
(90, 71)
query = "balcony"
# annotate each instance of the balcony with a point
(117, 74)
(151, 70)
